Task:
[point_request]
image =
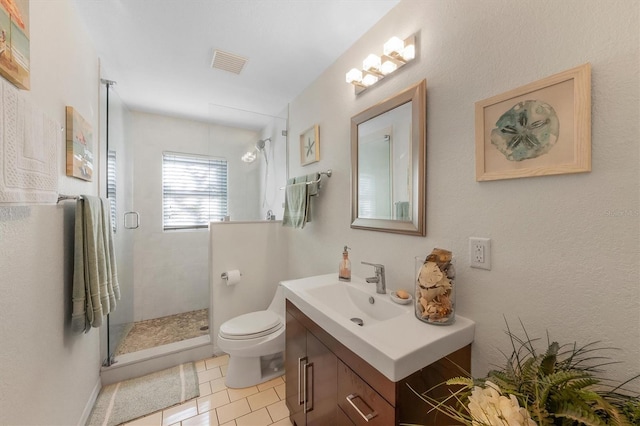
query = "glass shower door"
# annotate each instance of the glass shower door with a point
(119, 186)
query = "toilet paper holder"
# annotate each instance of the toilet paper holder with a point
(224, 275)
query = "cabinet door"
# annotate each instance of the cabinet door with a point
(295, 358)
(322, 382)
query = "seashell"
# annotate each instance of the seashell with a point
(441, 257)
(451, 271)
(429, 274)
(444, 285)
(430, 293)
(423, 303)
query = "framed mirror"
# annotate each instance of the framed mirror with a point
(388, 164)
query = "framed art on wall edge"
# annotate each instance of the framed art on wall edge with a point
(542, 128)
(310, 146)
(79, 146)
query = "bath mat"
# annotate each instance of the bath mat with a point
(130, 399)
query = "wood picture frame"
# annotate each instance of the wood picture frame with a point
(542, 128)
(15, 56)
(310, 145)
(79, 146)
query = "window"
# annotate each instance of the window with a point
(111, 186)
(194, 190)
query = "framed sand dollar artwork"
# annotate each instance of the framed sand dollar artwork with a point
(310, 145)
(542, 128)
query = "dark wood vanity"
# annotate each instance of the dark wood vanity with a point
(328, 384)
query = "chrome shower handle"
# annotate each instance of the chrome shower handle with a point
(137, 223)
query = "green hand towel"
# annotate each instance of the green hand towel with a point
(315, 186)
(296, 205)
(95, 282)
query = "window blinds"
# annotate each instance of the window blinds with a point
(111, 187)
(194, 190)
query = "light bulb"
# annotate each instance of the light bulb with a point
(409, 52)
(393, 46)
(369, 79)
(354, 76)
(371, 63)
(388, 67)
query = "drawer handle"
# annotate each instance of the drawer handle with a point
(366, 417)
(301, 398)
(308, 400)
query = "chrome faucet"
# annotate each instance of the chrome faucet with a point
(381, 285)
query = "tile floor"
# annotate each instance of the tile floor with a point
(217, 405)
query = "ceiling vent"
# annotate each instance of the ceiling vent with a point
(228, 62)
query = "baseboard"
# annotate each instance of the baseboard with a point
(90, 403)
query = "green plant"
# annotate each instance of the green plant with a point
(559, 387)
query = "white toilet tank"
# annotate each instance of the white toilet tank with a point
(277, 304)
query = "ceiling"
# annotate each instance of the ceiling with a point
(159, 51)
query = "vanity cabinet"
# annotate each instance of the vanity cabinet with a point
(311, 372)
(328, 384)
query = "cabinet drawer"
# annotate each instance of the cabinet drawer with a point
(360, 401)
(342, 419)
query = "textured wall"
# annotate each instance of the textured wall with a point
(48, 374)
(565, 248)
(259, 251)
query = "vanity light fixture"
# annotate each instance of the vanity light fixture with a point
(396, 53)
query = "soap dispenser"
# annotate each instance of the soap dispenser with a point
(344, 270)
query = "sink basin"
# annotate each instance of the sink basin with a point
(391, 338)
(352, 302)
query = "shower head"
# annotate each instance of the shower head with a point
(261, 143)
(108, 82)
(253, 151)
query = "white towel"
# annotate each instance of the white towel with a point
(95, 275)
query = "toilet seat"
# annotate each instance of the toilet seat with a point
(251, 325)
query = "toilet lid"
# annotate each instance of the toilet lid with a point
(253, 324)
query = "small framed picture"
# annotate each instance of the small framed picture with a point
(15, 64)
(542, 128)
(310, 146)
(79, 146)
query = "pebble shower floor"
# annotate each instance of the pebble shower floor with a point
(161, 331)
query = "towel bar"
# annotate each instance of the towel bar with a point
(62, 197)
(328, 173)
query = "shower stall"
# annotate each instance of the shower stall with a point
(163, 271)
(135, 333)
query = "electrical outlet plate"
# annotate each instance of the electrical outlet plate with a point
(480, 253)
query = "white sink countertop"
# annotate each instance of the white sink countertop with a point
(397, 346)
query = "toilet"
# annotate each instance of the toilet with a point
(255, 344)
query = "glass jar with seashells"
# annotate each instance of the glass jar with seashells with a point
(435, 294)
